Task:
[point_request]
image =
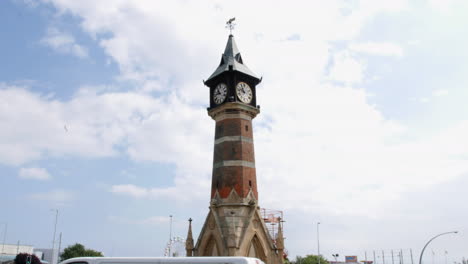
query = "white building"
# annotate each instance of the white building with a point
(9, 251)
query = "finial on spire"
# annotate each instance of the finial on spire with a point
(189, 241)
(230, 24)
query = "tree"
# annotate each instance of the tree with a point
(310, 259)
(25, 258)
(78, 250)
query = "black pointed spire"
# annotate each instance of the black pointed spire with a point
(232, 60)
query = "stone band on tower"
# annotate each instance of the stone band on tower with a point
(234, 225)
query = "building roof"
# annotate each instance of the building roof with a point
(232, 57)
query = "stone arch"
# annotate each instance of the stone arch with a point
(256, 249)
(211, 248)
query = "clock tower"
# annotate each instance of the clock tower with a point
(234, 225)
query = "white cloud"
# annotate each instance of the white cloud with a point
(155, 220)
(447, 6)
(130, 189)
(320, 121)
(189, 185)
(424, 100)
(376, 48)
(39, 128)
(151, 220)
(34, 173)
(63, 43)
(58, 196)
(440, 92)
(434, 94)
(346, 69)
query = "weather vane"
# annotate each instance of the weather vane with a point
(230, 24)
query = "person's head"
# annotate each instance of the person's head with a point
(25, 258)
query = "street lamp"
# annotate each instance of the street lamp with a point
(4, 237)
(336, 256)
(422, 252)
(170, 234)
(54, 258)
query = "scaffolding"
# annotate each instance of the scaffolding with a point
(272, 219)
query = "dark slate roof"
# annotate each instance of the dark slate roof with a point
(232, 57)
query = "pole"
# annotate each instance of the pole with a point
(53, 240)
(401, 256)
(383, 257)
(4, 238)
(170, 234)
(318, 243)
(375, 262)
(430, 240)
(60, 245)
(336, 256)
(393, 259)
(411, 253)
(365, 256)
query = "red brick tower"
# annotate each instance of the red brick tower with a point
(234, 226)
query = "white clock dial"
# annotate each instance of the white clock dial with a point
(244, 92)
(219, 93)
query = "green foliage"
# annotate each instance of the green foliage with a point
(310, 259)
(78, 250)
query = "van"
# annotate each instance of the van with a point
(163, 260)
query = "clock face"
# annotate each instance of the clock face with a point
(219, 93)
(244, 92)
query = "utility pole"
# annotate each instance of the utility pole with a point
(318, 243)
(54, 260)
(60, 245)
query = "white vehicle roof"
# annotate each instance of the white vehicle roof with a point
(162, 260)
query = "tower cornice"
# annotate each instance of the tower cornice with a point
(234, 108)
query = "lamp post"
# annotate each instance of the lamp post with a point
(53, 240)
(170, 235)
(4, 237)
(318, 243)
(430, 240)
(336, 256)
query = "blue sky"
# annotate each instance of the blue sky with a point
(363, 125)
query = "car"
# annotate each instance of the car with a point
(162, 260)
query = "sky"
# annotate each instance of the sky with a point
(363, 124)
